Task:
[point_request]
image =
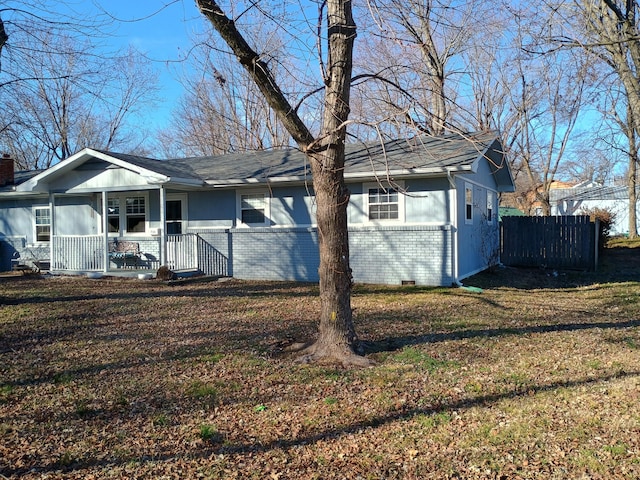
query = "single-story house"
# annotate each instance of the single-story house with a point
(422, 211)
(585, 197)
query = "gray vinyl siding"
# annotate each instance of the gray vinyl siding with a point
(16, 217)
(427, 201)
(478, 242)
(76, 216)
(293, 206)
(215, 208)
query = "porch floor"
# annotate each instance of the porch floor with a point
(124, 273)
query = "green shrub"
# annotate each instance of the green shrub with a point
(606, 218)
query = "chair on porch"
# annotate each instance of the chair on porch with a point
(124, 252)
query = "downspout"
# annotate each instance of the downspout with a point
(454, 227)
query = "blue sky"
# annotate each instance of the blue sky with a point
(164, 35)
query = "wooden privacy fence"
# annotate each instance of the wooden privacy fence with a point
(562, 242)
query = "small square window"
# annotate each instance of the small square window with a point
(253, 207)
(383, 204)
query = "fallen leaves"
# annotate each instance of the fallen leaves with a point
(127, 379)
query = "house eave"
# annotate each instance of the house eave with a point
(352, 176)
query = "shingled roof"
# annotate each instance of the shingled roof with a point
(421, 155)
(424, 154)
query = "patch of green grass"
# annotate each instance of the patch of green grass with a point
(330, 401)
(212, 357)
(82, 407)
(416, 357)
(161, 420)
(5, 391)
(62, 378)
(209, 433)
(433, 420)
(595, 364)
(66, 459)
(201, 391)
(617, 450)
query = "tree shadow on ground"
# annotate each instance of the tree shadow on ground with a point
(398, 343)
(616, 265)
(223, 447)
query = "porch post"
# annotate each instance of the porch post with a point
(52, 229)
(163, 224)
(105, 232)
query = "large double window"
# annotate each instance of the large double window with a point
(127, 214)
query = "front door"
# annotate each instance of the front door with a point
(174, 216)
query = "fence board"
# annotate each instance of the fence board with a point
(563, 242)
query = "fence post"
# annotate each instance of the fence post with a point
(597, 245)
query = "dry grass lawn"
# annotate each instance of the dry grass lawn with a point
(538, 376)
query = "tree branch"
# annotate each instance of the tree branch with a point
(259, 71)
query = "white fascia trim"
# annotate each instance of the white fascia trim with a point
(84, 154)
(33, 182)
(363, 176)
(158, 179)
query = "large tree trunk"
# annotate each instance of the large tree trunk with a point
(632, 178)
(337, 339)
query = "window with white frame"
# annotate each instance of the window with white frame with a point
(42, 216)
(113, 214)
(127, 214)
(136, 214)
(490, 213)
(253, 208)
(383, 203)
(468, 203)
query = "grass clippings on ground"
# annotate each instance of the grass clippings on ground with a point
(538, 376)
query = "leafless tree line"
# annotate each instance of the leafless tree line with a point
(62, 89)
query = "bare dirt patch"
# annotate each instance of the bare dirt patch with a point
(538, 376)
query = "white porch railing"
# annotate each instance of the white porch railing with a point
(78, 252)
(85, 253)
(182, 252)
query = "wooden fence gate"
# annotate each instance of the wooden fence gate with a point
(562, 242)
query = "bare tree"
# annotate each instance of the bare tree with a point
(222, 110)
(546, 93)
(61, 89)
(609, 30)
(325, 151)
(68, 99)
(428, 37)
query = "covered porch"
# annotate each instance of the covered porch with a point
(94, 253)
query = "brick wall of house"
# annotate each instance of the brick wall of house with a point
(379, 255)
(396, 254)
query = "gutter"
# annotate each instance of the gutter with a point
(364, 176)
